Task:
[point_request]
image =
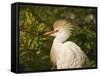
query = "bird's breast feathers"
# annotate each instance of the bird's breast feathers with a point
(68, 55)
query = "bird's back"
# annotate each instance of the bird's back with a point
(69, 55)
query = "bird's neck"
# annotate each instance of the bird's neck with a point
(57, 40)
(62, 37)
(56, 43)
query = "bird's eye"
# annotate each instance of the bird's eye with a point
(56, 30)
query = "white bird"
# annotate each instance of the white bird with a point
(65, 55)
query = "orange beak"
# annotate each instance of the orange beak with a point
(51, 32)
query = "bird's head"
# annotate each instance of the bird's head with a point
(62, 30)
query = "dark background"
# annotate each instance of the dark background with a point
(35, 20)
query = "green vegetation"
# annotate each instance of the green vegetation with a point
(34, 21)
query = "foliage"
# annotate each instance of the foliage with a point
(34, 21)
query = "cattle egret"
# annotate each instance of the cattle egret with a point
(65, 55)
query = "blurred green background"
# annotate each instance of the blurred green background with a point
(35, 20)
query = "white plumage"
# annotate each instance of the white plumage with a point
(65, 55)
